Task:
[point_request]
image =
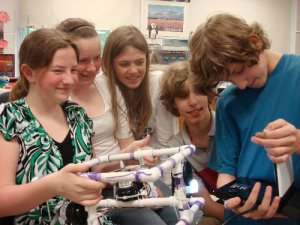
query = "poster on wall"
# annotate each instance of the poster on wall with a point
(166, 18)
(170, 56)
(169, 50)
(7, 65)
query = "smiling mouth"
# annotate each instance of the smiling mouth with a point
(65, 89)
(133, 78)
(195, 112)
(84, 75)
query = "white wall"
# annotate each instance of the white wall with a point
(9, 28)
(274, 15)
(104, 13)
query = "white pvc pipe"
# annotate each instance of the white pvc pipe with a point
(179, 200)
(186, 216)
(146, 202)
(92, 215)
(138, 154)
(143, 175)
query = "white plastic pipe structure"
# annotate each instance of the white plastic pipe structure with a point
(144, 174)
(186, 206)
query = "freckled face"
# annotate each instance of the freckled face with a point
(130, 67)
(56, 81)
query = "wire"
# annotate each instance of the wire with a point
(240, 214)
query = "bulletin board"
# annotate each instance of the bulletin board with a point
(168, 18)
(7, 65)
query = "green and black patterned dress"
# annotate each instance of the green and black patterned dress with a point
(39, 155)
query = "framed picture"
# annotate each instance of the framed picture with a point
(169, 50)
(7, 65)
(163, 18)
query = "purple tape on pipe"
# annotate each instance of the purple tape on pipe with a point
(193, 149)
(161, 169)
(92, 175)
(137, 176)
(131, 155)
(173, 162)
(199, 203)
(186, 206)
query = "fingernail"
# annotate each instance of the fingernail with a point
(268, 128)
(225, 205)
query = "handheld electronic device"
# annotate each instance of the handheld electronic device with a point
(284, 187)
(241, 187)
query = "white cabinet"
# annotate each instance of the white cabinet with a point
(295, 27)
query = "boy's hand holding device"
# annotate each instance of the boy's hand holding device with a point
(252, 198)
(257, 199)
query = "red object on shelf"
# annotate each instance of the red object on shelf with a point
(3, 43)
(4, 17)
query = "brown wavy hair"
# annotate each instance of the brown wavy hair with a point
(37, 51)
(138, 102)
(174, 84)
(223, 39)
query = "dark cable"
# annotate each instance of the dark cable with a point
(240, 214)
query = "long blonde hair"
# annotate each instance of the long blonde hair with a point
(138, 102)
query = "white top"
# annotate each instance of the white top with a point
(104, 141)
(163, 124)
(199, 160)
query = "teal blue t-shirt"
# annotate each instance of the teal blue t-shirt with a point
(242, 113)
